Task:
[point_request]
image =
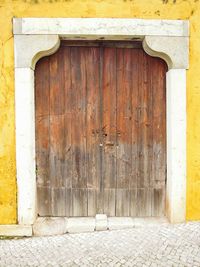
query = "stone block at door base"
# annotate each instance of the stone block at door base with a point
(45, 226)
(79, 225)
(101, 222)
(15, 230)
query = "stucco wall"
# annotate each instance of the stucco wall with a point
(166, 9)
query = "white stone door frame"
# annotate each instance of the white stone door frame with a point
(38, 37)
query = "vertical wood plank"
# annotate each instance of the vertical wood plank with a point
(135, 117)
(66, 57)
(58, 201)
(124, 117)
(92, 202)
(124, 131)
(44, 201)
(93, 123)
(158, 73)
(109, 128)
(145, 123)
(122, 202)
(144, 138)
(159, 119)
(42, 150)
(79, 200)
(42, 121)
(144, 196)
(67, 172)
(57, 141)
(68, 202)
(92, 116)
(57, 126)
(133, 202)
(78, 130)
(109, 201)
(100, 182)
(42, 87)
(158, 201)
(56, 75)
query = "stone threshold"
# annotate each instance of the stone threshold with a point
(45, 226)
(16, 230)
(48, 226)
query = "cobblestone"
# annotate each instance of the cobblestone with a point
(160, 245)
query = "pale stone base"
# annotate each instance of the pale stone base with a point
(48, 226)
(116, 223)
(101, 221)
(151, 221)
(45, 226)
(15, 230)
(80, 224)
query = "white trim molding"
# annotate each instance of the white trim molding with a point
(38, 37)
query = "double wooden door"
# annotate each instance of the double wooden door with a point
(100, 131)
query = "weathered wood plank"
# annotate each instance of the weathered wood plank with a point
(92, 202)
(68, 202)
(158, 74)
(58, 201)
(56, 156)
(66, 55)
(133, 202)
(145, 123)
(109, 202)
(124, 118)
(109, 118)
(57, 125)
(144, 197)
(44, 201)
(42, 87)
(79, 202)
(158, 70)
(93, 123)
(56, 75)
(42, 121)
(122, 202)
(100, 182)
(135, 119)
(42, 150)
(158, 201)
(78, 130)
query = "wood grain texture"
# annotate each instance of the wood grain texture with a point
(100, 131)
(42, 109)
(124, 118)
(109, 118)
(78, 130)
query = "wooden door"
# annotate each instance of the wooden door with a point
(100, 131)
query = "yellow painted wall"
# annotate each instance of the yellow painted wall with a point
(156, 9)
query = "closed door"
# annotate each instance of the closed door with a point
(100, 131)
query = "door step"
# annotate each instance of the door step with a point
(46, 226)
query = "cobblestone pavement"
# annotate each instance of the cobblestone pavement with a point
(161, 245)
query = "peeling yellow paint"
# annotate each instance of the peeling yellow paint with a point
(156, 9)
